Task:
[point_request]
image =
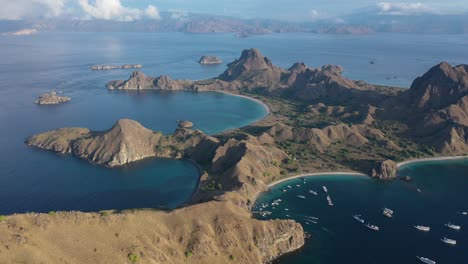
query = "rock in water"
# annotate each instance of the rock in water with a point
(184, 124)
(385, 170)
(51, 99)
(210, 60)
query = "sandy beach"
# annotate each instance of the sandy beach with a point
(403, 163)
(249, 98)
(315, 174)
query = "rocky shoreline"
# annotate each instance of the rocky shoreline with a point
(51, 99)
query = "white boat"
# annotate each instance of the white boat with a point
(419, 190)
(463, 213)
(359, 219)
(449, 241)
(325, 189)
(373, 227)
(314, 222)
(330, 203)
(388, 213)
(301, 197)
(452, 226)
(313, 192)
(284, 190)
(289, 186)
(297, 185)
(426, 260)
(422, 228)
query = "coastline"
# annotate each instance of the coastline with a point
(305, 175)
(265, 106)
(411, 161)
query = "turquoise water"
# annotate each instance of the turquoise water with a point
(36, 180)
(338, 238)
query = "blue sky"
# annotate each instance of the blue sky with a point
(295, 10)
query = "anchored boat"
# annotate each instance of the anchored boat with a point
(452, 226)
(422, 228)
(373, 227)
(426, 260)
(388, 213)
(358, 218)
(449, 241)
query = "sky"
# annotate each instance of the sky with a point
(292, 10)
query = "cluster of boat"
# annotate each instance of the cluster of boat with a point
(389, 213)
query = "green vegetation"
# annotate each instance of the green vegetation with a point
(232, 257)
(212, 186)
(134, 258)
(188, 253)
(52, 213)
(104, 213)
(2, 218)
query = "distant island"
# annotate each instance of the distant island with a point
(319, 121)
(209, 60)
(113, 67)
(51, 99)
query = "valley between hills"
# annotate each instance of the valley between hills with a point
(319, 121)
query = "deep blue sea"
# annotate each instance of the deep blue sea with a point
(41, 181)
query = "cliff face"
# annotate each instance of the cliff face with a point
(384, 170)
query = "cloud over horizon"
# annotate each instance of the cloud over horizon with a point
(405, 9)
(114, 10)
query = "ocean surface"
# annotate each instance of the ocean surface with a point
(41, 181)
(338, 238)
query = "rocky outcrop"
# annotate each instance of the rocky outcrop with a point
(127, 141)
(184, 124)
(384, 170)
(209, 60)
(139, 81)
(113, 67)
(51, 99)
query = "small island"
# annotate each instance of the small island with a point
(104, 67)
(210, 60)
(51, 99)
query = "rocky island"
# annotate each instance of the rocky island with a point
(320, 121)
(113, 67)
(210, 60)
(51, 99)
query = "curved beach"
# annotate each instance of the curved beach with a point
(404, 163)
(265, 106)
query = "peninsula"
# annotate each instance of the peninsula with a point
(320, 121)
(51, 99)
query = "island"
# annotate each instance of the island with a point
(113, 67)
(209, 60)
(319, 121)
(51, 99)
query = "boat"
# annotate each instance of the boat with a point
(330, 203)
(297, 185)
(419, 190)
(388, 213)
(313, 192)
(301, 196)
(452, 226)
(422, 228)
(358, 218)
(325, 189)
(449, 241)
(426, 260)
(373, 227)
(463, 213)
(284, 190)
(289, 186)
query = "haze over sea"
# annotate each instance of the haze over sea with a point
(41, 181)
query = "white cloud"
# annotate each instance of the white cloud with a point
(21, 9)
(114, 10)
(178, 13)
(404, 9)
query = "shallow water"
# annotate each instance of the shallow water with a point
(338, 238)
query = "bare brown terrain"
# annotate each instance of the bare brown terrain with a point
(320, 121)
